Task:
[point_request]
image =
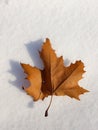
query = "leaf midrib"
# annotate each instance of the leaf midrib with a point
(65, 79)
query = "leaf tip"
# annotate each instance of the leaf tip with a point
(23, 87)
(47, 39)
(22, 64)
(87, 91)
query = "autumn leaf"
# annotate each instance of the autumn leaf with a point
(55, 78)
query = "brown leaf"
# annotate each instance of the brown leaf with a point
(34, 76)
(55, 79)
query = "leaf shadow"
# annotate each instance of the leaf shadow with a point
(33, 49)
(17, 71)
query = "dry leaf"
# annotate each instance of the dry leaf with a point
(55, 79)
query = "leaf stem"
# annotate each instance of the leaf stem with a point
(46, 112)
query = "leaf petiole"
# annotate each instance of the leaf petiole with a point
(46, 112)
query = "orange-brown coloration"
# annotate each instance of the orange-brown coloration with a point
(55, 79)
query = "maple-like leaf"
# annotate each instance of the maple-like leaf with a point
(56, 78)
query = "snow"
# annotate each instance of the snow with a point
(72, 26)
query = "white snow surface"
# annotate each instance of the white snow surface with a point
(72, 27)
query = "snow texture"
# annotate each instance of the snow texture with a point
(72, 26)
